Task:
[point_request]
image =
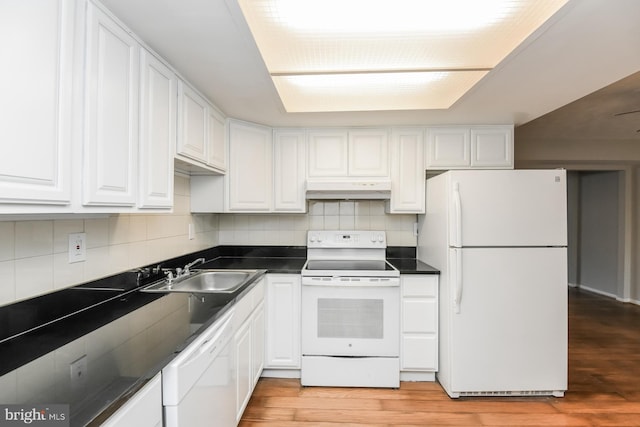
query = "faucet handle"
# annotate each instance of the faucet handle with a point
(169, 275)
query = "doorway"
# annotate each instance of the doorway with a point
(596, 231)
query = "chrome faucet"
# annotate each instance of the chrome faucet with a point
(186, 271)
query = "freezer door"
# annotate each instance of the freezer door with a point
(510, 331)
(508, 208)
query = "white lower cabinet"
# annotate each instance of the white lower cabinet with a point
(248, 345)
(282, 336)
(144, 409)
(244, 376)
(419, 327)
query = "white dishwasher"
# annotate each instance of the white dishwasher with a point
(197, 386)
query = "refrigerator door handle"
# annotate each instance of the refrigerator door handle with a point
(457, 296)
(457, 209)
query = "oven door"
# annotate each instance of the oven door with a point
(348, 320)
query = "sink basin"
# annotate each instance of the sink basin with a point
(206, 281)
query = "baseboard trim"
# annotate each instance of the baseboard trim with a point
(280, 373)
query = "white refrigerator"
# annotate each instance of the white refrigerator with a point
(499, 239)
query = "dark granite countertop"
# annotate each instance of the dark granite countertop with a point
(412, 266)
(277, 265)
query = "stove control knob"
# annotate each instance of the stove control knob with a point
(312, 238)
(380, 238)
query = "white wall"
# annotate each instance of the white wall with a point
(34, 259)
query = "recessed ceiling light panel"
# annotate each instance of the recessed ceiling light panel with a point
(310, 37)
(374, 91)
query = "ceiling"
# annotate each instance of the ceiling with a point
(587, 45)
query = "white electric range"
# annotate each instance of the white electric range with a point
(350, 311)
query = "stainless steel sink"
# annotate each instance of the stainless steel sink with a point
(206, 281)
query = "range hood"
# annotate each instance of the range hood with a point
(344, 190)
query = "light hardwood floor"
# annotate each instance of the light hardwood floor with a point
(604, 387)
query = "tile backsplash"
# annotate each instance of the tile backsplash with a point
(291, 229)
(34, 254)
(34, 257)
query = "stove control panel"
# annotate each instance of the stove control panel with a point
(346, 239)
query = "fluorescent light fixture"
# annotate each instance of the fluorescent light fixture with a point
(375, 16)
(392, 54)
(373, 91)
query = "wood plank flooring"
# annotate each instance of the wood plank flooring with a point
(604, 387)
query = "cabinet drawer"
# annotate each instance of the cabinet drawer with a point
(419, 316)
(419, 353)
(419, 285)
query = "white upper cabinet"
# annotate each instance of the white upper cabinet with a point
(289, 171)
(465, 147)
(250, 170)
(448, 148)
(111, 113)
(201, 132)
(266, 173)
(492, 146)
(192, 124)
(407, 171)
(369, 153)
(217, 143)
(36, 79)
(158, 115)
(328, 154)
(348, 154)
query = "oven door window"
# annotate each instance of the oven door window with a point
(350, 321)
(350, 318)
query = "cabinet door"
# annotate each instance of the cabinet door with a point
(192, 123)
(448, 148)
(283, 321)
(158, 116)
(111, 119)
(244, 372)
(492, 146)
(217, 141)
(328, 154)
(368, 153)
(407, 172)
(144, 409)
(257, 337)
(289, 171)
(250, 168)
(36, 81)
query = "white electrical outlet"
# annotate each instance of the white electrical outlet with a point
(78, 372)
(191, 232)
(77, 247)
